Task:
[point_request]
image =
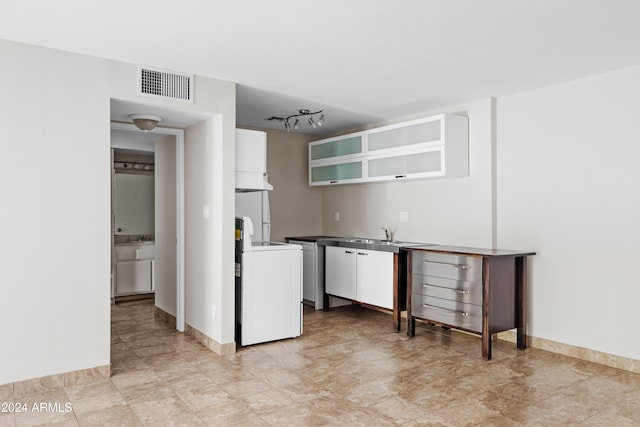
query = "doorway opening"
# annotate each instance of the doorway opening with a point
(161, 250)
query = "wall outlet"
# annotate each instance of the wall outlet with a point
(205, 211)
(213, 312)
(404, 216)
(336, 216)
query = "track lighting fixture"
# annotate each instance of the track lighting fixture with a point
(301, 113)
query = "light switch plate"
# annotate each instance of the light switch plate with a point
(205, 211)
(337, 216)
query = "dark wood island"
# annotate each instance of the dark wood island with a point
(482, 291)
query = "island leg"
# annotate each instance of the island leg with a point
(521, 302)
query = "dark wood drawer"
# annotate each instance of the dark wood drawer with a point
(456, 314)
(456, 290)
(455, 267)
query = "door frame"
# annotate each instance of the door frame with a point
(180, 229)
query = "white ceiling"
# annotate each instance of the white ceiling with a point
(361, 61)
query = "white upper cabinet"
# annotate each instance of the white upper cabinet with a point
(339, 147)
(337, 160)
(344, 172)
(406, 135)
(436, 146)
(415, 164)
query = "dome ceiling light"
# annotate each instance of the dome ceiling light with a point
(145, 122)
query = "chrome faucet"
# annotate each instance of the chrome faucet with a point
(387, 233)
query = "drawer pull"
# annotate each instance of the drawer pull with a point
(460, 266)
(463, 313)
(348, 252)
(458, 291)
(363, 253)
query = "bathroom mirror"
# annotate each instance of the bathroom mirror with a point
(134, 204)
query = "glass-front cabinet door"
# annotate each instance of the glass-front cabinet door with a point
(418, 164)
(333, 148)
(337, 173)
(408, 135)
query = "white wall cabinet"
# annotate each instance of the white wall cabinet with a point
(374, 278)
(337, 160)
(361, 275)
(340, 147)
(345, 172)
(428, 147)
(134, 269)
(340, 272)
(412, 164)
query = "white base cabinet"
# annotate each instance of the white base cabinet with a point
(340, 272)
(134, 277)
(374, 278)
(361, 275)
(134, 269)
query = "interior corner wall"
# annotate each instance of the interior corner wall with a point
(55, 252)
(453, 211)
(567, 188)
(165, 215)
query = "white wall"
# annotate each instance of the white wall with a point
(568, 188)
(54, 256)
(165, 220)
(210, 298)
(455, 211)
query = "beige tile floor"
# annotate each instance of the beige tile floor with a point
(347, 369)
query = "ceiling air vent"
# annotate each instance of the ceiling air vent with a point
(164, 84)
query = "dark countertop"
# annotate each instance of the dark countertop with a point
(309, 238)
(469, 251)
(407, 246)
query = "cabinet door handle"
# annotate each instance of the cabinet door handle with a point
(463, 313)
(335, 181)
(363, 253)
(459, 291)
(348, 252)
(460, 266)
(400, 176)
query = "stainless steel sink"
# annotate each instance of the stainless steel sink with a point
(363, 240)
(373, 244)
(376, 241)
